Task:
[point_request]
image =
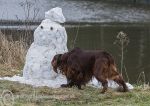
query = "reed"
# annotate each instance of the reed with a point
(12, 53)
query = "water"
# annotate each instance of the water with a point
(74, 10)
(102, 36)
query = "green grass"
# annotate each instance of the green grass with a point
(26, 95)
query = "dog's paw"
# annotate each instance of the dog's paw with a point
(80, 88)
(64, 85)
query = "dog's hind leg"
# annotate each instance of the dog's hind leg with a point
(104, 83)
(103, 80)
(119, 80)
(100, 72)
(114, 75)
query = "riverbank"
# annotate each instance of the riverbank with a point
(26, 95)
(31, 25)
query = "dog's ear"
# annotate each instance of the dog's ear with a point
(58, 59)
(64, 57)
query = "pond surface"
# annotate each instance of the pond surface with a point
(102, 36)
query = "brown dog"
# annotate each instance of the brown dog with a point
(80, 66)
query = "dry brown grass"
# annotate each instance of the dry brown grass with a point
(12, 53)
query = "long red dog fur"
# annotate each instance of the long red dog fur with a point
(80, 66)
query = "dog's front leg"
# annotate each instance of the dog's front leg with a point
(79, 86)
(68, 85)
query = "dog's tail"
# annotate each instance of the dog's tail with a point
(113, 73)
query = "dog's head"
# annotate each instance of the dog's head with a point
(60, 62)
(56, 62)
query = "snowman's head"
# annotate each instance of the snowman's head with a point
(49, 28)
(55, 14)
(46, 32)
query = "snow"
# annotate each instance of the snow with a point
(50, 38)
(111, 84)
(55, 83)
(54, 16)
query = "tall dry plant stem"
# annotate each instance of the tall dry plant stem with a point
(122, 41)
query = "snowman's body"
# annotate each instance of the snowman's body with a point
(50, 38)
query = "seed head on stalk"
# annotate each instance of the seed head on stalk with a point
(122, 41)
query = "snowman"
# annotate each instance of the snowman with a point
(50, 38)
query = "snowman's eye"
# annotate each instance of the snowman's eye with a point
(51, 28)
(41, 27)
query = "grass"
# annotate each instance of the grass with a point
(26, 95)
